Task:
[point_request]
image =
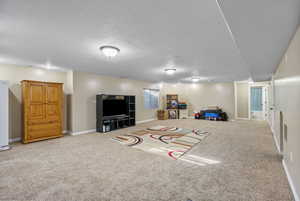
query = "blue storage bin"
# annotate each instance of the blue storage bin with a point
(213, 115)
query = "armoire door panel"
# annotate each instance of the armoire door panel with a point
(53, 100)
(36, 93)
(36, 111)
(53, 95)
(52, 112)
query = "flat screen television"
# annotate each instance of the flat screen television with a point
(114, 107)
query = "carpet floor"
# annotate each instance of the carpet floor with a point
(94, 167)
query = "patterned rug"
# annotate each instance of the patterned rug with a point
(167, 141)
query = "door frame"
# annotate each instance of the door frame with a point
(265, 90)
(272, 108)
(270, 103)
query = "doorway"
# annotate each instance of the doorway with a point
(258, 102)
(281, 132)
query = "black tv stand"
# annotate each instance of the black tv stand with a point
(110, 123)
(115, 117)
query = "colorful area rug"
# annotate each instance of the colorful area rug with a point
(167, 141)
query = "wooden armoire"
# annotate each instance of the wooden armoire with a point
(42, 110)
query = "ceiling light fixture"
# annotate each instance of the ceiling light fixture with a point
(110, 51)
(170, 71)
(48, 66)
(195, 79)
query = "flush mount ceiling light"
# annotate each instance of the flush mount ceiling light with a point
(110, 51)
(170, 71)
(195, 79)
(48, 66)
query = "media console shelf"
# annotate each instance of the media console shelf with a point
(114, 112)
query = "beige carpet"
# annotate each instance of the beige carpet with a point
(241, 164)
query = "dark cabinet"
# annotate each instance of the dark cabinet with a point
(114, 112)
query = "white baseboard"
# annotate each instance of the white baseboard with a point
(83, 132)
(240, 118)
(276, 142)
(144, 121)
(275, 139)
(272, 130)
(18, 139)
(290, 180)
(296, 196)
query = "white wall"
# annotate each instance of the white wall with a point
(201, 95)
(14, 75)
(88, 85)
(287, 100)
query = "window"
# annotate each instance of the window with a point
(151, 98)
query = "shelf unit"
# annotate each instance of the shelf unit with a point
(110, 123)
(172, 98)
(172, 105)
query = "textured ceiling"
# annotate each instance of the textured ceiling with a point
(218, 41)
